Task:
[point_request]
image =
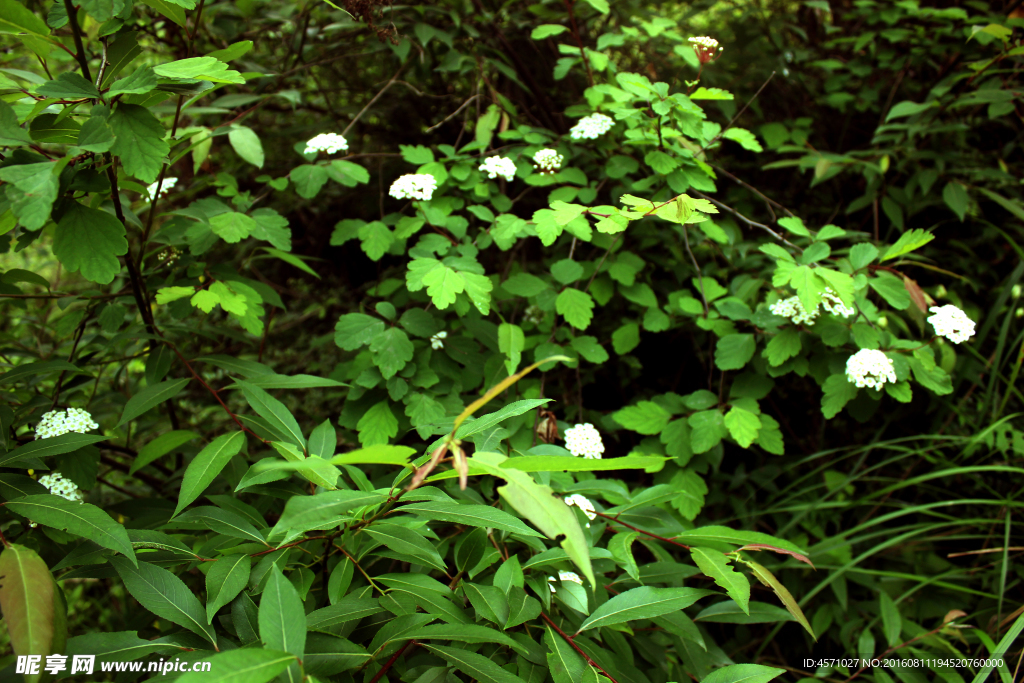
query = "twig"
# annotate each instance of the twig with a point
(751, 188)
(639, 530)
(738, 114)
(746, 220)
(408, 645)
(700, 276)
(576, 34)
(454, 113)
(375, 98)
(289, 545)
(76, 32)
(576, 647)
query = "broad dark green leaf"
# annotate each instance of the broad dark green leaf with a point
(225, 580)
(150, 397)
(471, 515)
(474, 665)
(248, 665)
(89, 241)
(165, 595)
(645, 602)
(140, 141)
(207, 465)
(80, 519)
(274, 412)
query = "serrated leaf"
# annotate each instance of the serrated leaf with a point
(225, 580)
(909, 241)
(862, 254)
(139, 141)
(377, 425)
(734, 351)
(90, 240)
(646, 417)
(707, 429)
(308, 179)
(783, 346)
(743, 426)
(140, 82)
(715, 565)
(744, 137)
(202, 68)
(68, 85)
(836, 393)
(576, 306)
(356, 329)
(391, 349)
(32, 191)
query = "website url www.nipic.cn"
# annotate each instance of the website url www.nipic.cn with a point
(86, 664)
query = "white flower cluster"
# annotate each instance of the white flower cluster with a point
(590, 127)
(951, 323)
(437, 341)
(533, 314)
(583, 503)
(165, 187)
(499, 166)
(584, 440)
(704, 41)
(414, 186)
(793, 309)
(59, 486)
(326, 142)
(548, 161)
(57, 422)
(564, 576)
(870, 368)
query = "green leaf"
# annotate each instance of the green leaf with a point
(95, 135)
(69, 85)
(547, 30)
(244, 665)
(621, 548)
(225, 580)
(90, 240)
(165, 595)
(783, 346)
(537, 504)
(27, 602)
(567, 271)
(707, 430)
(308, 512)
(247, 145)
(715, 565)
(768, 579)
(378, 425)
(15, 18)
(463, 633)
(470, 514)
(908, 108)
(836, 393)
(955, 196)
(80, 519)
(511, 342)
(565, 664)
(32, 191)
(140, 82)
(232, 226)
(568, 463)
(645, 602)
(406, 541)
(274, 412)
(601, 6)
(11, 132)
(217, 520)
(703, 93)
(206, 466)
(485, 126)
(744, 137)
(391, 349)
(55, 445)
(908, 242)
(308, 179)
(795, 226)
(891, 288)
(140, 141)
(646, 417)
(443, 284)
(149, 397)
(376, 238)
(734, 351)
(416, 154)
(282, 619)
(590, 349)
(380, 454)
(474, 665)
(202, 68)
(743, 426)
(743, 673)
(862, 254)
(356, 329)
(524, 285)
(160, 446)
(576, 306)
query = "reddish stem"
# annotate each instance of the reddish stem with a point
(638, 530)
(289, 545)
(576, 647)
(391, 661)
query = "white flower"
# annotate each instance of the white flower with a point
(707, 49)
(59, 486)
(414, 186)
(584, 440)
(793, 309)
(590, 127)
(870, 368)
(548, 161)
(499, 166)
(165, 187)
(583, 503)
(436, 342)
(57, 422)
(326, 142)
(551, 583)
(951, 323)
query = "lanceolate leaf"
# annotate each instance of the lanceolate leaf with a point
(27, 601)
(282, 619)
(768, 579)
(474, 665)
(716, 565)
(165, 595)
(470, 515)
(207, 465)
(743, 673)
(248, 665)
(151, 396)
(645, 602)
(80, 519)
(274, 412)
(226, 579)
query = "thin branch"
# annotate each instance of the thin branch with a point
(746, 220)
(576, 647)
(579, 41)
(394, 658)
(752, 189)
(696, 266)
(639, 530)
(76, 32)
(738, 114)
(375, 98)
(454, 113)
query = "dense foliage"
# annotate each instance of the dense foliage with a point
(478, 341)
